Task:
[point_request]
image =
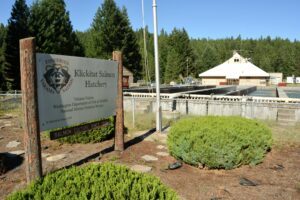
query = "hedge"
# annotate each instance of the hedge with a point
(91, 136)
(96, 181)
(219, 142)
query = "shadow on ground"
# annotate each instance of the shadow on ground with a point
(9, 162)
(110, 149)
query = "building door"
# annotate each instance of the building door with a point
(125, 81)
(233, 81)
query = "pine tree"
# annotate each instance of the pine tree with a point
(50, 24)
(2, 58)
(148, 69)
(163, 52)
(180, 56)
(112, 31)
(17, 29)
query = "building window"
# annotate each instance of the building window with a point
(236, 60)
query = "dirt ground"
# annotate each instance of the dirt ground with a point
(276, 178)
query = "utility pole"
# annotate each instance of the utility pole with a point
(158, 106)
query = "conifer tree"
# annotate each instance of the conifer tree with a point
(180, 56)
(112, 31)
(17, 29)
(50, 24)
(2, 59)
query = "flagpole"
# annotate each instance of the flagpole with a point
(158, 106)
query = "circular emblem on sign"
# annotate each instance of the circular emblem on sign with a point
(57, 78)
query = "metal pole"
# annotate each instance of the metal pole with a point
(119, 128)
(158, 106)
(32, 142)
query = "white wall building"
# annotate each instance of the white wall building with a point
(235, 71)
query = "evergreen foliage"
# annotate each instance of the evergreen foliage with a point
(91, 136)
(111, 31)
(86, 40)
(148, 68)
(95, 181)
(219, 142)
(271, 55)
(180, 56)
(2, 57)
(50, 24)
(17, 29)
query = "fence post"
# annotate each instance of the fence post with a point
(32, 141)
(119, 128)
(133, 111)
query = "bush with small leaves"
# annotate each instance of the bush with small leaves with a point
(96, 181)
(91, 136)
(219, 142)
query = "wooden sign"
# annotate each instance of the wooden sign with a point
(73, 90)
(59, 91)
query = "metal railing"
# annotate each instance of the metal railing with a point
(216, 98)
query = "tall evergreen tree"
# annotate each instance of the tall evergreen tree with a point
(2, 58)
(17, 29)
(112, 31)
(180, 60)
(148, 71)
(50, 24)
(163, 52)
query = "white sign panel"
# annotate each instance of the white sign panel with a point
(73, 90)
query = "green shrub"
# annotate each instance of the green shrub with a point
(95, 181)
(219, 142)
(91, 136)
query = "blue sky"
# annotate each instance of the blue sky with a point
(201, 18)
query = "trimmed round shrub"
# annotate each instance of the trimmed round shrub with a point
(219, 142)
(96, 181)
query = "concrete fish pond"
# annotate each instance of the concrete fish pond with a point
(267, 103)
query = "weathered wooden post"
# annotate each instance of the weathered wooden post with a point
(119, 128)
(32, 141)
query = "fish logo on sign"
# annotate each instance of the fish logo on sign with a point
(57, 78)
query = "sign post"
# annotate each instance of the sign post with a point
(119, 128)
(63, 92)
(32, 141)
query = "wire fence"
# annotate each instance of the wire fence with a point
(10, 100)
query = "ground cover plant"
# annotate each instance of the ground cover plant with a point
(219, 142)
(96, 181)
(91, 136)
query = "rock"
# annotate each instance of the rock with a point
(277, 167)
(45, 155)
(141, 168)
(160, 147)
(216, 198)
(200, 166)
(247, 182)
(149, 158)
(56, 157)
(6, 117)
(1, 138)
(175, 165)
(162, 154)
(17, 153)
(45, 147)
(13, 144)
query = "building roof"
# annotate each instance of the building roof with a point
(234, 68)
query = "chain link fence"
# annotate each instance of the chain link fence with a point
(10, 100)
